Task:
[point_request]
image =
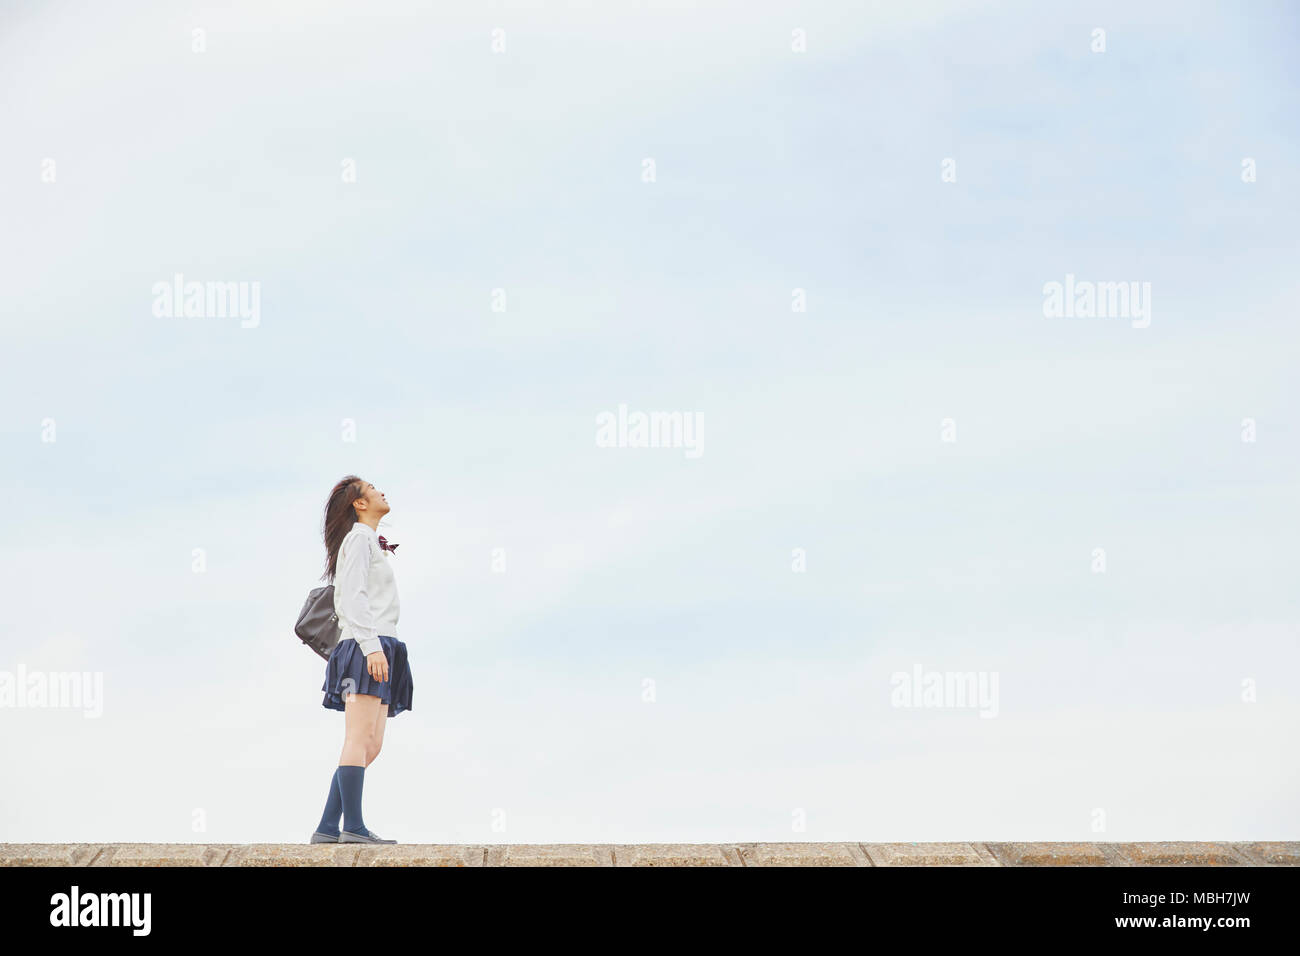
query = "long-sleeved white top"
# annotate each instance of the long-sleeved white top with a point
(365, 591)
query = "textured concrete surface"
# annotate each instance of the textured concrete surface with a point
(1286, 853)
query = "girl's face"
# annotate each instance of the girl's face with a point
(372, 501)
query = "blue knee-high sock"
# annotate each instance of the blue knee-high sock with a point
(350, 780)
(329, 821)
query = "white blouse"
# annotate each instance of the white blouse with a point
(365, 591)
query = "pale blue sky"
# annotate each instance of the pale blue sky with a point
(821, 430)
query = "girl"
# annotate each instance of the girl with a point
(367, 676)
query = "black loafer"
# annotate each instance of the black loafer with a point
(319, 837)
(347, 836)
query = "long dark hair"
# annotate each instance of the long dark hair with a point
(340, 516)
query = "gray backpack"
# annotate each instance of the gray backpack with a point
(318, 625)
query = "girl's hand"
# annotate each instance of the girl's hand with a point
(377, 664)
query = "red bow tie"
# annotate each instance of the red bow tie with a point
(384, 545)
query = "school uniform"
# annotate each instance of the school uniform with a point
(365, 599)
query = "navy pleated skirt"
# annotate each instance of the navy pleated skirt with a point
(346, 673)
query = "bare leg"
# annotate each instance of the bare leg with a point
(376, 740)
(360, 712)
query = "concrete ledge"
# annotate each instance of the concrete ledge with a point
(1177, 853)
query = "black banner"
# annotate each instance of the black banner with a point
(1148, 905)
